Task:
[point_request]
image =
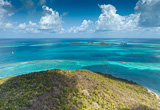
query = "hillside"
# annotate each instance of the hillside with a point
(73, 90)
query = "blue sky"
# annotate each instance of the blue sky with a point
(79, 18)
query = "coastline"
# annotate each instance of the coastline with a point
(151, 92)
(76, 89)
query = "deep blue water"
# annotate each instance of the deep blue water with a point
(138, 61)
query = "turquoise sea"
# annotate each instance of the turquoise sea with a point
(138, 60)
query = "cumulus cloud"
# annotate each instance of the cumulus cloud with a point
(145, 18)
(149, 11)
(147, 15)
(5, 12)
(50, 22)
(32, 23)
(29, 27)
(32, 27)
(10, 14)
(51, 17)
(22, 26)
(5, 3)
(82, 28)
(8, 25)
(109, 20)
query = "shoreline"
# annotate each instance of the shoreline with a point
(149, 91)
(74, 89)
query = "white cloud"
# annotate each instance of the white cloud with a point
(51, 17)
(109, 20)
(4, 13)
(82, 28)
(9, 25)
(10, 14)
(22, 26)
(32, 27)
(146, 17)
(149, 11)
(4, 3)
(51, 20)
(32, 24)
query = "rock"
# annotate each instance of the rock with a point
(85, 92)
(95, 105)
(45, 107)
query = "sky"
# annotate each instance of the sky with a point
(79, 18)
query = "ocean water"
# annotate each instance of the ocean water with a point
(138, 61)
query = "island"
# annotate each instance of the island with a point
(102, 43)
(123, 43)
(77, 43)
(59, 89)
(89, 43)
(92, 43)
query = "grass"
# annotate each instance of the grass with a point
(73, 90)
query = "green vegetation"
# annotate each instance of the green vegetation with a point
(77, 43)
(103, 43)
(73, 90)
(91, 43)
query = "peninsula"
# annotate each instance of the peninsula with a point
(59, 89)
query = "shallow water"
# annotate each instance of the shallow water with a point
(139, 60)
